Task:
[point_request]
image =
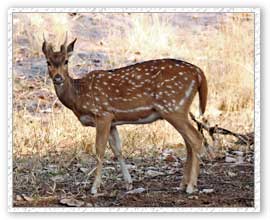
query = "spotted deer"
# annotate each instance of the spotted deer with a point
(136, 94)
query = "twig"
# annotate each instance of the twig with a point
(248, 138)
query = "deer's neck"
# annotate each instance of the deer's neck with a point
(66, 93)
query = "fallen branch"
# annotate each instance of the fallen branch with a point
(247, 139)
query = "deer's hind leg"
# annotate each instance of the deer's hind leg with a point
(115, 144)
(193, 141)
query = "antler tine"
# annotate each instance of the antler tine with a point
(44, 37)
(65, 43)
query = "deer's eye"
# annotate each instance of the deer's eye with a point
(66, 62)
(48, 63)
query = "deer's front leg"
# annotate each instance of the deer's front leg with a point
(102, 133)
(115, 144)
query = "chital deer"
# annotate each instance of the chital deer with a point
(137, 94)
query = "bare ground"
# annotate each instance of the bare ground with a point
(38, 183)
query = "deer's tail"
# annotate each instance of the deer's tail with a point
(203, 89)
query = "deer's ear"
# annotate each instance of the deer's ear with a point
(44, 48)
(47, 49)
(71, 47)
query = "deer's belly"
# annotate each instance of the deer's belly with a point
(142, 120)
(86, 120)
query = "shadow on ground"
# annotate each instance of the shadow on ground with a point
(60, 179)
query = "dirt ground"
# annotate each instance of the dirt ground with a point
(221, 184)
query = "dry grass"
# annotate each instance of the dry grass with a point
(224, 51)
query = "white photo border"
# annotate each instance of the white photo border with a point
(256, 12)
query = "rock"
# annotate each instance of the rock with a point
(71, 202)
(193, 197)
(207, 191)
(18, 198)
(27, 198)
(240, 159)
(52, 168)
(47, 110)
(135, 191)
(152, 168)
(131, 167)
(85, 183)
(109, 168)
(171, 171)
(153, 173)
(58, 178)
(229, 159)
(231, 174)
(238, 153)
(83, 169)
(177, 188)
(176, 164)
(89, 205)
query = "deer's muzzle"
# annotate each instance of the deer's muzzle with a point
(58, 79)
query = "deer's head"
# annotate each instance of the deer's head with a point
(57, 61)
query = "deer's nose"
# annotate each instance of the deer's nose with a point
(58, 79)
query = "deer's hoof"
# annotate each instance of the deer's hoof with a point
(93, 190)
(129, 186)
(191, 189)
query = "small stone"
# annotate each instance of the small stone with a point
(193, 197)
(240, 159)
(84, 170)
(131, 167)
(47, 110)
(58, 178)
(153, 173)
(19, 198)
(89, 205)
(27, 198)
(207, 191)
(232, 174)
(238, 153)
(178, 188)
(71, 202)
(151, 168)
(136, 191)
(230, 159)
(109, 168)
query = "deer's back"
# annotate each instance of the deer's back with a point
(161, 85)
